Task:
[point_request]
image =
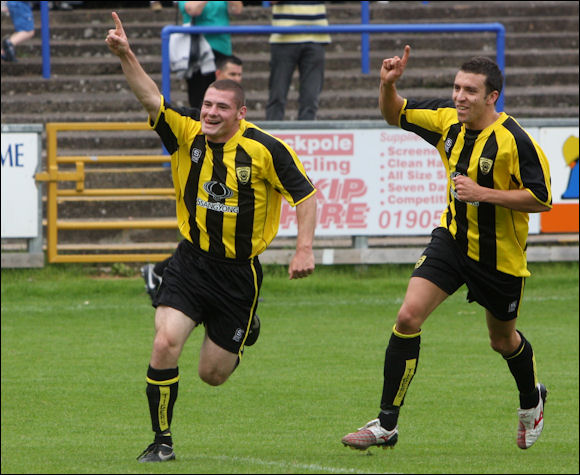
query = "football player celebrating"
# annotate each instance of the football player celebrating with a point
(229, 178)
(497, 175)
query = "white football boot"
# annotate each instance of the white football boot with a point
(531, 421)
(371, 434)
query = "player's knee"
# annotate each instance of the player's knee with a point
(212, 376)
(500, 345)
(164, 345)
(407, 320)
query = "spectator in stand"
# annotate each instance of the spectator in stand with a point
(229, 67)
(302, 50)
(216, 13)
(23, 21)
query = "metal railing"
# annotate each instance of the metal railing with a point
(53, 176)
(45, 34)
(365, 28)
(498, 28)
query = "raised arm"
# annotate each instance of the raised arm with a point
(390, 102)
(139, 81)
(302, 264)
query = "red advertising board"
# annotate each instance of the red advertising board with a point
(391, 182)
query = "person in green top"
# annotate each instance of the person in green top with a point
(215, 13)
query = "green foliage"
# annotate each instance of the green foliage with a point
(75, 348)
(122, 270)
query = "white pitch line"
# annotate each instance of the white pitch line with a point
(283, 465)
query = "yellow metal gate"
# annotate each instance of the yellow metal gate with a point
(63, 169)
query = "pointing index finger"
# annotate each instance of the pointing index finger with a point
(406, 54)
(117, 21)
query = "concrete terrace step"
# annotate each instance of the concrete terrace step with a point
(551, 59)
(140, 23)
(140, 31)
(133, 208)
(399, 10)
(450, 9)
(338, 113)
(258, 80)
(125, 101)
(110, 143)
(87, 83)
(386, 43)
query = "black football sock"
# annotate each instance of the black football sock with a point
(522, 365)
(401, 360)
(162, 388)
(389, 417)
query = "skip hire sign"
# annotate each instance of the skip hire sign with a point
(370, 182)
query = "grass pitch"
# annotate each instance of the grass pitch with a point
(75, 349)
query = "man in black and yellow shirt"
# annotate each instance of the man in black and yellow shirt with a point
(229, 177)
(497, 174)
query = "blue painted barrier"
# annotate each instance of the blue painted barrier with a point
(363, 29)
(45, 33)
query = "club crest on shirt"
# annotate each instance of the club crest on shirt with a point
(243, 174)
(195, 155)
(485, 165)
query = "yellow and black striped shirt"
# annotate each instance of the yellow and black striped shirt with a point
(503, 156)
(228, 196)
(299, 13)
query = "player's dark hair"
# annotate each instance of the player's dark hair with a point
(221, 62)
(230, 85)
(487, 67)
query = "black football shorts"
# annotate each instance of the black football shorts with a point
(220, 293)
(447, 267)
